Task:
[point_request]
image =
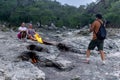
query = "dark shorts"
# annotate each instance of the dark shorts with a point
(96, 43)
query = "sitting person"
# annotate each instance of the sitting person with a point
(31, 32)
(35, 36)
(22, 31)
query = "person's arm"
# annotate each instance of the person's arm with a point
(28, 32)
(92, 26)
(26, 29)
(34, 31)
(19, 29)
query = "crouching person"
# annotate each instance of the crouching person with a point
(22, 32)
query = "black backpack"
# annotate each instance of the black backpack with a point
(101, 34)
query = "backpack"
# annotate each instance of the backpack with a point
(101, 34)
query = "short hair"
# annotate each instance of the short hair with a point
(99, 16)
(30, 24)
(23, 22)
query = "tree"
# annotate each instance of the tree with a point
(51, 11)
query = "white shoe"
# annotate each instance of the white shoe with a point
(86, 61)
(103, 63)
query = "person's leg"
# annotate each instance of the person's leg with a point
(49, 43)
(21, 33)
(100, 48)
(19, 36)
(24, 34)
(87, 55)
(32, 38)
(91, 46)
(102, 56)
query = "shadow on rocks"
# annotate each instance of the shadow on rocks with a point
(33, 47)
(44, 62)
(65, 47)
(41, 61)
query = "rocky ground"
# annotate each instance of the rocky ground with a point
(58, 64)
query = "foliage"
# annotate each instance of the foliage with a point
(51, 11)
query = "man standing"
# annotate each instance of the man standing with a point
(95, 42)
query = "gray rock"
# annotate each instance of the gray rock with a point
(69, 62)
(57, 62)
(63, 64)
(23, 71)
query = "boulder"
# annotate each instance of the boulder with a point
(62, 64)
(54, 61)
(22, 71)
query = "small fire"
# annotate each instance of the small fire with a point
(34, 60)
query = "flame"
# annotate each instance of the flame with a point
(34, 60)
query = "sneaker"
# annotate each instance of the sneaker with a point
(103, 63)
(87, 61)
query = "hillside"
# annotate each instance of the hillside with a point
(48, 11)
